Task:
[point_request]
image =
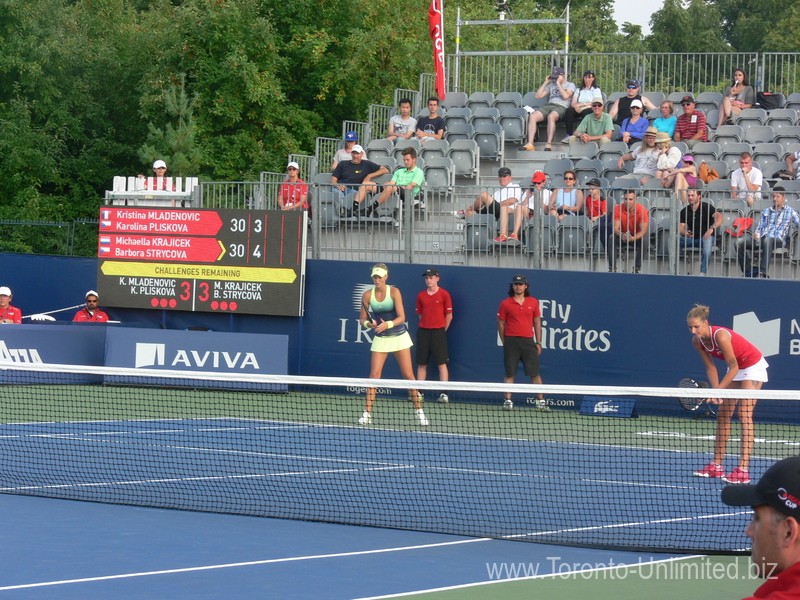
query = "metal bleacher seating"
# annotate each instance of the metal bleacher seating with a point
(770, 168)
(655, 97)
(718, 190)
(180, 192)
(531, 100)
(386, 161)
(401, 144)
(434, 148)
(611, 171)
(708, 150)
(457, 115)
(720, 166)
(480, 230)
(612, 149)
(790, 149)
(728, 133)
(793, 101)
(708, 101)
(453, 100)
(756, 134)
(782, 116)
(476, 99)
(767, 151)
(465, 155)
(379, 148)
(712, 118)
(557, 166)
(508, 100)
(750, 116)
(489, 137)
(484, 114)
(786, 134)
(440, 173)
(549, 235)
(574, 235)
(676, 97)
(513, 121)
(731, 151)
(588, 168)
(587, 150)
(459, 131)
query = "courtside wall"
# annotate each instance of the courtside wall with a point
(598, 328)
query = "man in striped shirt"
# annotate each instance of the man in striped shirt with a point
(772, 232)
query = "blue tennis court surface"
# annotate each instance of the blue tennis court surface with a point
(589, 493)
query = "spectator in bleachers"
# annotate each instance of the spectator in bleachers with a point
(645, 157)
(352, 178)
(737, 96)
(569, 199)
(691, 125)
(595, 128)
(431, 127)
(621, 108)
(8, 313)
(526, 208)
(596, 209)
(344, 154)
(772, 232)
(633, 129)
(669, 157)
(698, 222)
(681, 178)
(793, 164)
(667, 121)
(161, 182)
(293, 194)
(406, 181)
(559, 92)
(630, 227)
(403, 125)
(746, 180)
(504, 199)
(581, 105)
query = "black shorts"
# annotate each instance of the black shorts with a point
(524, 349)
(432, 342)
(493, 209)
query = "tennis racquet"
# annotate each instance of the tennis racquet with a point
(371, 315)
(699, 405)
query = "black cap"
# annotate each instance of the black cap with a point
(503, 171)
(779, 488)
(688, 98)
(520, 279)
(430, 271)
(594, 181)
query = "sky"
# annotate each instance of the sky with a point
(637, 12)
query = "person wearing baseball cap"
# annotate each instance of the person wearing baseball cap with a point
(160, 182)
(352, 180)
(690, 127)
(774, 528)
(559, 93)
(293, 194)
(435, 310)
(621, 109)
(8, 313)
(504, 199)
(343, 154)
(90, 313)
(519, 323)
(633, 128)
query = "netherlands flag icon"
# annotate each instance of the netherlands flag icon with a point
(105, 239)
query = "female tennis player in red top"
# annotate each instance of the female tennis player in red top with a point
(747, 370)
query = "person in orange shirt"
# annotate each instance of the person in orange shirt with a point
(630, 227)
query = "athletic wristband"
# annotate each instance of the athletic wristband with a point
(538, 343)
(366, 323)
(389, 324)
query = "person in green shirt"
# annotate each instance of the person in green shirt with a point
(406, 181)
(597, 127)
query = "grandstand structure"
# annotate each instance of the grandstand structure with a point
(486, 126)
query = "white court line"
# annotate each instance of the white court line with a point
(543, 576)
(239, 564)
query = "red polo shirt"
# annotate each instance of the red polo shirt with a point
(519, 317)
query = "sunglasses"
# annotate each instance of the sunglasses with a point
(636, 108)
(633, 87)
(686, 103)
(296, 169)
(596, 105)
(569, 179)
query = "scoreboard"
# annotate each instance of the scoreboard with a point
(228, 261)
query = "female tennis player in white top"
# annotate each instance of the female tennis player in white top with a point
(747, 370)
(387, 319)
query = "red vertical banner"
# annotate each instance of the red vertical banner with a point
(437, 36)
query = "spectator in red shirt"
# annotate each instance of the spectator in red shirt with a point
(691, 125)
(630, 227)
(8, 313)
(90, 313)
(774, 529)
(435, 310)
(519, 323)
(293, 194)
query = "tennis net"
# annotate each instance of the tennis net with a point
(599, 466)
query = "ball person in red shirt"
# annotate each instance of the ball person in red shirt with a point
(518, 319)
(90, 312)
(435, 310)
(8, 313)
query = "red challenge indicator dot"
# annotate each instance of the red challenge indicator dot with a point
(154, 302)
(173, 303)
(163, 303)
(223, 305)
(233, 306)
(214, 305)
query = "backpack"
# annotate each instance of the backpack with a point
(768, 100)
(707, 174)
